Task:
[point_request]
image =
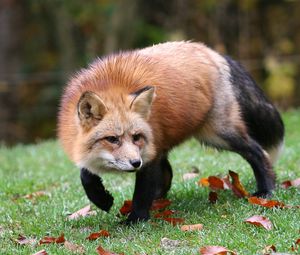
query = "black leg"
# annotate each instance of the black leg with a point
(254, 154)
(147, 186)
(165, 180)
(95, 190)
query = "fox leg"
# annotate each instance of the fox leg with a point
(152, 181)
(95, 190)
(166, 179)
(259, 160)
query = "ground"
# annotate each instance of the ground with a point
(31, 168)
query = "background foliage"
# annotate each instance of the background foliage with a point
(42, 42)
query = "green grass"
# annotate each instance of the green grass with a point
(26, 169)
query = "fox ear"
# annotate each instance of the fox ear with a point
(142, 101)
(91, 109)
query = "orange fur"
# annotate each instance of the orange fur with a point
(185, 77)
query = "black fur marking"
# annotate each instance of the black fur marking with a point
(261, 117)
(140, 91)
(253, 153)
(95, 190)
(152, 181)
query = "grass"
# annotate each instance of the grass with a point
(26, 169)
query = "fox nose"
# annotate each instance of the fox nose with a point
(136, 163)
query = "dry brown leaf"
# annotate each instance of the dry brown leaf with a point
(188, 176)
(259, 220)
(174, 221)
(50, 239)
(41, 252)
(215, 250)
(237, 187)
(96, 235)
(289, 183)
(74, 247)
(193, 227)
(101, 251)
(265, 202)
(36, 194)
(85, 211)
(213, 197)
(22, 240)
(269, 249)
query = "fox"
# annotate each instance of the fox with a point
(126, 111)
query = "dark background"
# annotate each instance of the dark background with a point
(42, 42)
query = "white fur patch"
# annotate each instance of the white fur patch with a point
(275, 151)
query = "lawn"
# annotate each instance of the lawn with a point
(31, 168)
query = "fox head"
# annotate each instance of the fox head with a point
(113, 131)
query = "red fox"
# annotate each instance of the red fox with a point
(127, 110)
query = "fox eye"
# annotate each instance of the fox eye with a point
(112, 139)
(136, 137)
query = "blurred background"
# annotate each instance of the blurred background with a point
(42, 42)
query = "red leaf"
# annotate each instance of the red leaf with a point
(213, 197)
(260, 221)
(49, 239)
(174, 221)
(265, 202)
(101, 251)
(164, 214)
(288, 183)
(85, 211)
(160, 204)
(216, 183)
(215, 250)
(237, 188)
(126, 208)
(41, 252)
(191, 227)
(96, 235)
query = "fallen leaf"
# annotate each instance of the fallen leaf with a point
(295, 246)
(22, 240)
(96, 235)
(191, 227)
(169, 244)
(216, 183)
(265, 202)
(126, 208)
(41, 252)
(213, 197)
(160, 204)
(49, 239)
(237, 187)
(259, 220)
(215, 250)
(188, 176)
(36, 194)
(174, 221)
(164, 214)
(203, 182)
(269, 249)
(74, 247)
(101, 251)
(293, 183)
(85, 211)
